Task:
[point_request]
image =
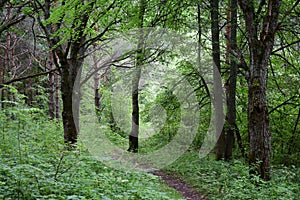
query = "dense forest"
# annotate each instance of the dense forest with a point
(154, 99)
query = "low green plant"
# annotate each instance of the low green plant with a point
(231, 180)
(34, 164)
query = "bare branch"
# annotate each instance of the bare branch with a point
(26, 77)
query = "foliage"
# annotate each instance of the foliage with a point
(223, 180)
(36, 165)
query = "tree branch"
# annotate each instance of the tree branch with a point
(26, 77)
(282, 104)
(286, 46)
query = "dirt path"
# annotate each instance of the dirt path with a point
(185, 189)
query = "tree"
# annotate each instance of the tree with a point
(260, 44)
(69, 32)
(9, 16)
(231, 86)
(148, 18)
(133, 137)
(217, 86)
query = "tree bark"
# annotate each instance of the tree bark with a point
(258, 115)
(52, 90)
(69, 71)
(217, 86)
(231, 102)
(68, 58)
(133, 137)
(57, 96)
(97, 95)
(292, 138)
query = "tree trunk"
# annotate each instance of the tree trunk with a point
(57, 97)
(258, 122)
(133, 137)
(97, 95)
(69, 71)
(231, 102)
(258, 115)
(52, 90)
(292, 138)
(217, 86)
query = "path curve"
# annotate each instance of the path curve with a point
(185, 189)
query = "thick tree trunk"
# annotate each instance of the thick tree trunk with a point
(258, 123)
(220, 146)
(258, 115)
(70, 113)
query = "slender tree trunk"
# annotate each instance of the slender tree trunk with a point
(258, 115)
(52, 89)
(220, 146)
(6, 63)
(292, 139)
(57, 96)
(133, 137)
(1, 82)
(199, 34)
(97, 95)
(231, 102)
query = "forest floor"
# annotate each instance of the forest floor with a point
(187, 191)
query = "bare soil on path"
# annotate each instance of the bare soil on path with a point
(188, 191)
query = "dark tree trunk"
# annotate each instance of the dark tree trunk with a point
(133, 137)
(218, 108)
(2, 75)
(69, 71)
(231, 90)
(292, 139)
(258, 115)
(1, 90)
(68, 58)
(52, 90)
(57, 97)
(97, 95)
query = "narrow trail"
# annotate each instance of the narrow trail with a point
(185, 189)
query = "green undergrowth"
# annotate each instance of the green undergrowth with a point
(34, 164)
(223, 180)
